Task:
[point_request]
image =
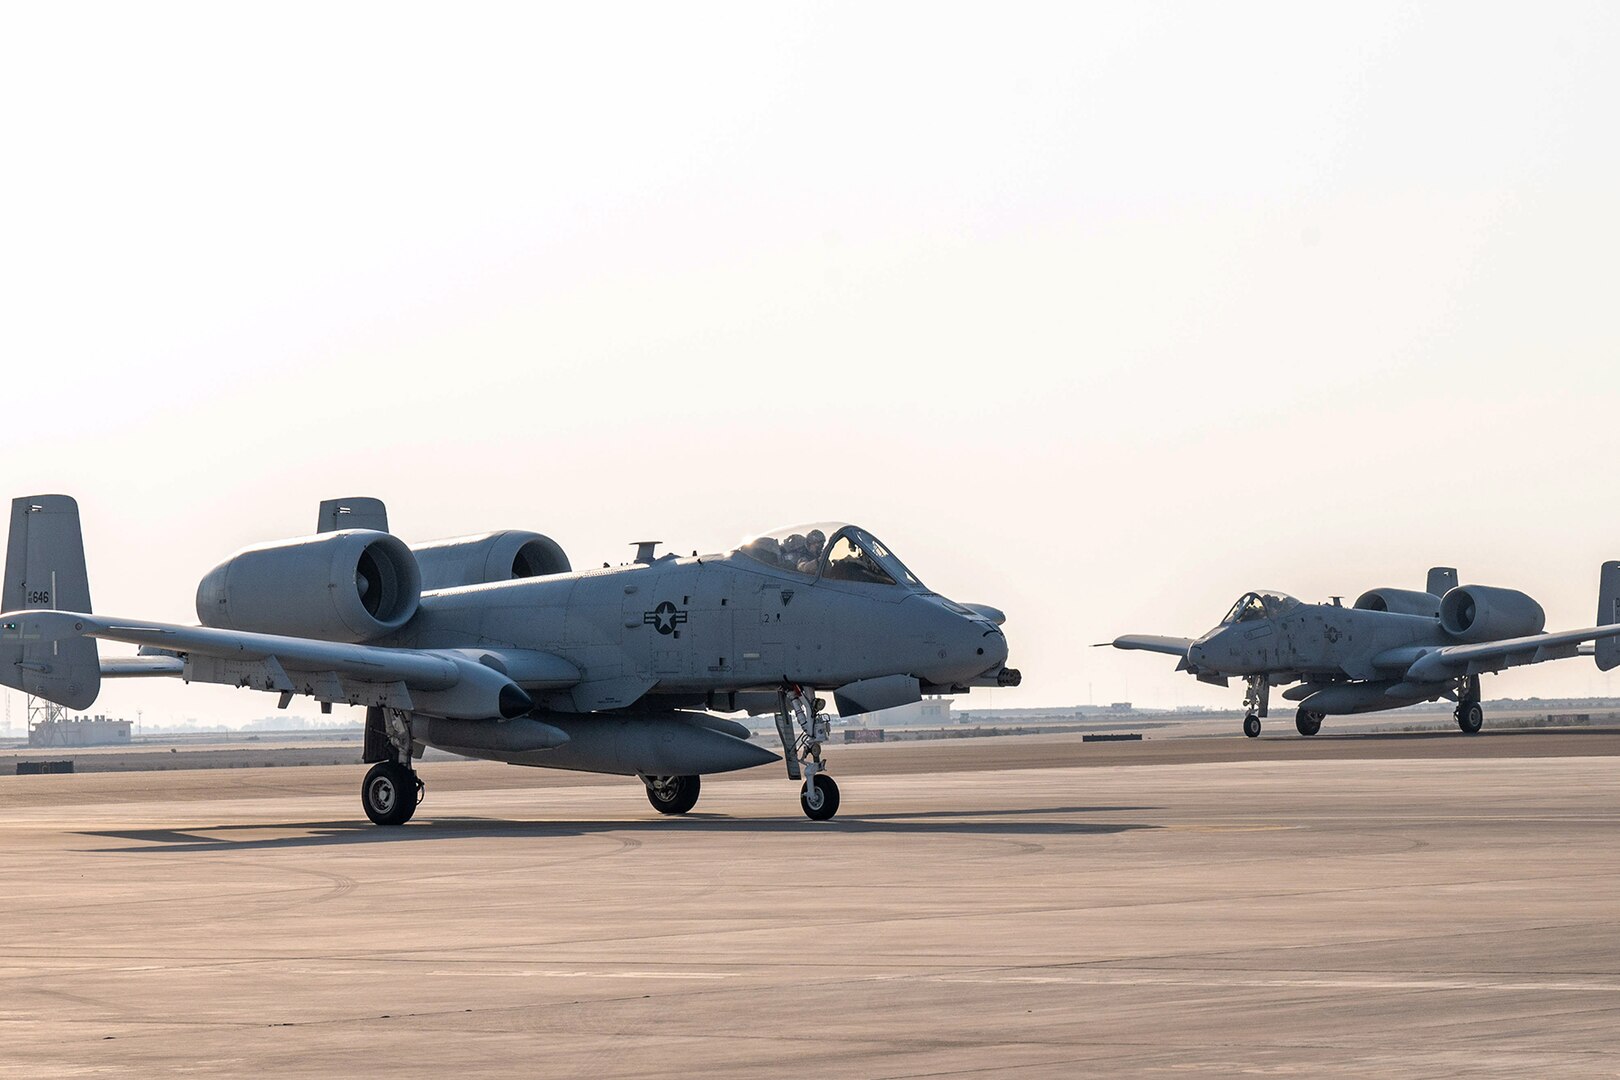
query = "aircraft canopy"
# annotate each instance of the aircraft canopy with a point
(831, 550)
(1260, 605)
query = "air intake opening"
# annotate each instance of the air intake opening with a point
(537, 558)
(1464, 614)
(376, 580)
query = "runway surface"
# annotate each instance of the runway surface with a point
(1400, 906)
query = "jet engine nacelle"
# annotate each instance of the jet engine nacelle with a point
(1472, 613)
(498, 556)
(1400, 602)
(354, 585)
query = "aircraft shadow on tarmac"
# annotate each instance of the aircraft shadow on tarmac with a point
(328, 833)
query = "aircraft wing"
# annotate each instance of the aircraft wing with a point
(1451, 661)
(1171, 646)
(461, 684)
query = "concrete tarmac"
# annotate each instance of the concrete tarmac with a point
(1403, 906)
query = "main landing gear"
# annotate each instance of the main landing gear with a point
(1256, 698)
(801, 750)
(672, 794)
(1307, 722)
(391, 791)
(1470, 716)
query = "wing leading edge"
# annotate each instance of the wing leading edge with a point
(1170, 646)
(1452, 661)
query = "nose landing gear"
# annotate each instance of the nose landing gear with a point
(1256, 698)
(801, 750)
(819, 798)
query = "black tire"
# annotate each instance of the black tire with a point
(390, 793)
(1470, 718)
(1251, 726)
(1307, 722)
(673, 794)
(827, 803)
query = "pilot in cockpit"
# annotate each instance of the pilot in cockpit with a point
(794, 549)
(814, 542)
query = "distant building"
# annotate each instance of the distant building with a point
(929, 712)
(1120, 706)
(80, 731)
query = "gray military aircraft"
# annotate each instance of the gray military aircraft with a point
(494, 647)
(1393, 648)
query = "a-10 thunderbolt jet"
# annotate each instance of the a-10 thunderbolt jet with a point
(1393, 648)
(494, 647)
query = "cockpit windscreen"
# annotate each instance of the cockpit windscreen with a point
(1260, 605)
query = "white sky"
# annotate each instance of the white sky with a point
(1102, 315)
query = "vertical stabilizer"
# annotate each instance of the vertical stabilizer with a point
(357, 513)
(1442, 579)
(1607, 650)
(45, 570)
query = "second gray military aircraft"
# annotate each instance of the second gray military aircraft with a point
(1392, 648)
(494, 647)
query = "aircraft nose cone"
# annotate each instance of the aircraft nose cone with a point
(956, 645)
(993, 647)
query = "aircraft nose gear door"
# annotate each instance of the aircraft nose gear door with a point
(801, 750)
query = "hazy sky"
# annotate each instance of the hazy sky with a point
(1099, 314)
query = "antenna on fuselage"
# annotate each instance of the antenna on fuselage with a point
(645, 549)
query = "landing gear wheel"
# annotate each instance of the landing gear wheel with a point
(1251, 726)
(390, 793)
(1470, 717)
(673, 794)
(820, 803)
(1307, 722)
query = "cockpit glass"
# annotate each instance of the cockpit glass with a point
(1278, 604)
(887, 559)
(798, 550)
(847, 560)
(833, 550)
(1255, 605)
